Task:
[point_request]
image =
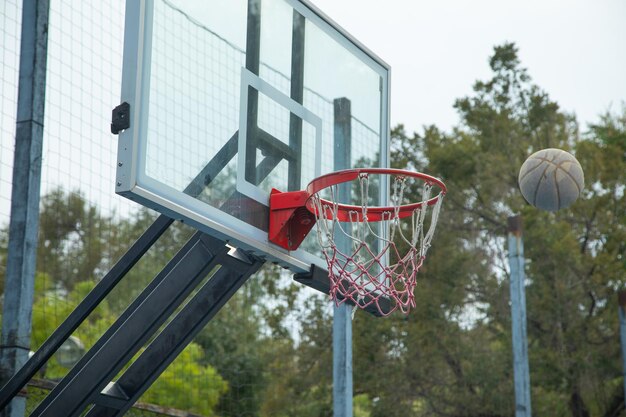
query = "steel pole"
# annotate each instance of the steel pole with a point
(621, 298)
(342, 315)
(19, 283)
(521, 374)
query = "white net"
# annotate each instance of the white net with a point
(374, 253)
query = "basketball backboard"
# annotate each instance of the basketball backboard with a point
(231, 98)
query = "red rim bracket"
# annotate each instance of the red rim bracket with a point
(290, 220)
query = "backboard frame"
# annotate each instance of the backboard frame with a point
(132, 181)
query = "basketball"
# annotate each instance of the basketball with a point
(551, 179)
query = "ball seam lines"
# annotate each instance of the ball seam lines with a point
(534, 203)
(558, 166)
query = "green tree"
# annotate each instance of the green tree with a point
(300, 371)
(452, 354)
(73, 238)
(188, 384)
(231, 341)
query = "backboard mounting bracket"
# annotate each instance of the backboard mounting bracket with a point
(290, 221)
(120, 118)
(317, 278)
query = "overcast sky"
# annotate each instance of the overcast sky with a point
(575, 50)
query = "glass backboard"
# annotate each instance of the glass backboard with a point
(231, 98)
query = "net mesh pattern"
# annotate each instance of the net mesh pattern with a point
(375, 262)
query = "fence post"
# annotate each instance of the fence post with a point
(24, 222)
(521, 373)
(621, 299)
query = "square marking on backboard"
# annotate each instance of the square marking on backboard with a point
(248, 79)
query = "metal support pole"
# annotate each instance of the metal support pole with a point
(234, 271)
(297, 94)
(621, 298)
(253, 62)
(342, 317)
(24, 223)
(153, 307)
(521, 374)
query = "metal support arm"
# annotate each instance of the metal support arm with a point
(90, 382)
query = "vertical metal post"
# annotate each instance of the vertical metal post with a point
(521, 373)
(24, 222)
(342, 317)
(621, 298)
(297, 94)
(253, 63)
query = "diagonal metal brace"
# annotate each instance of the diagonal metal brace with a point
(149, 311)
(175, 337)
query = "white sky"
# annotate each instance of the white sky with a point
(575, 50)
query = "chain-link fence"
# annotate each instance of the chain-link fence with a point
(10, 21)
(243, 363)
(38, 389)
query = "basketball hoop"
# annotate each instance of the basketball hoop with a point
(373, 253)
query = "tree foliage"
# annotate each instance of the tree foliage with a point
(456, 350)
(269, 351)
